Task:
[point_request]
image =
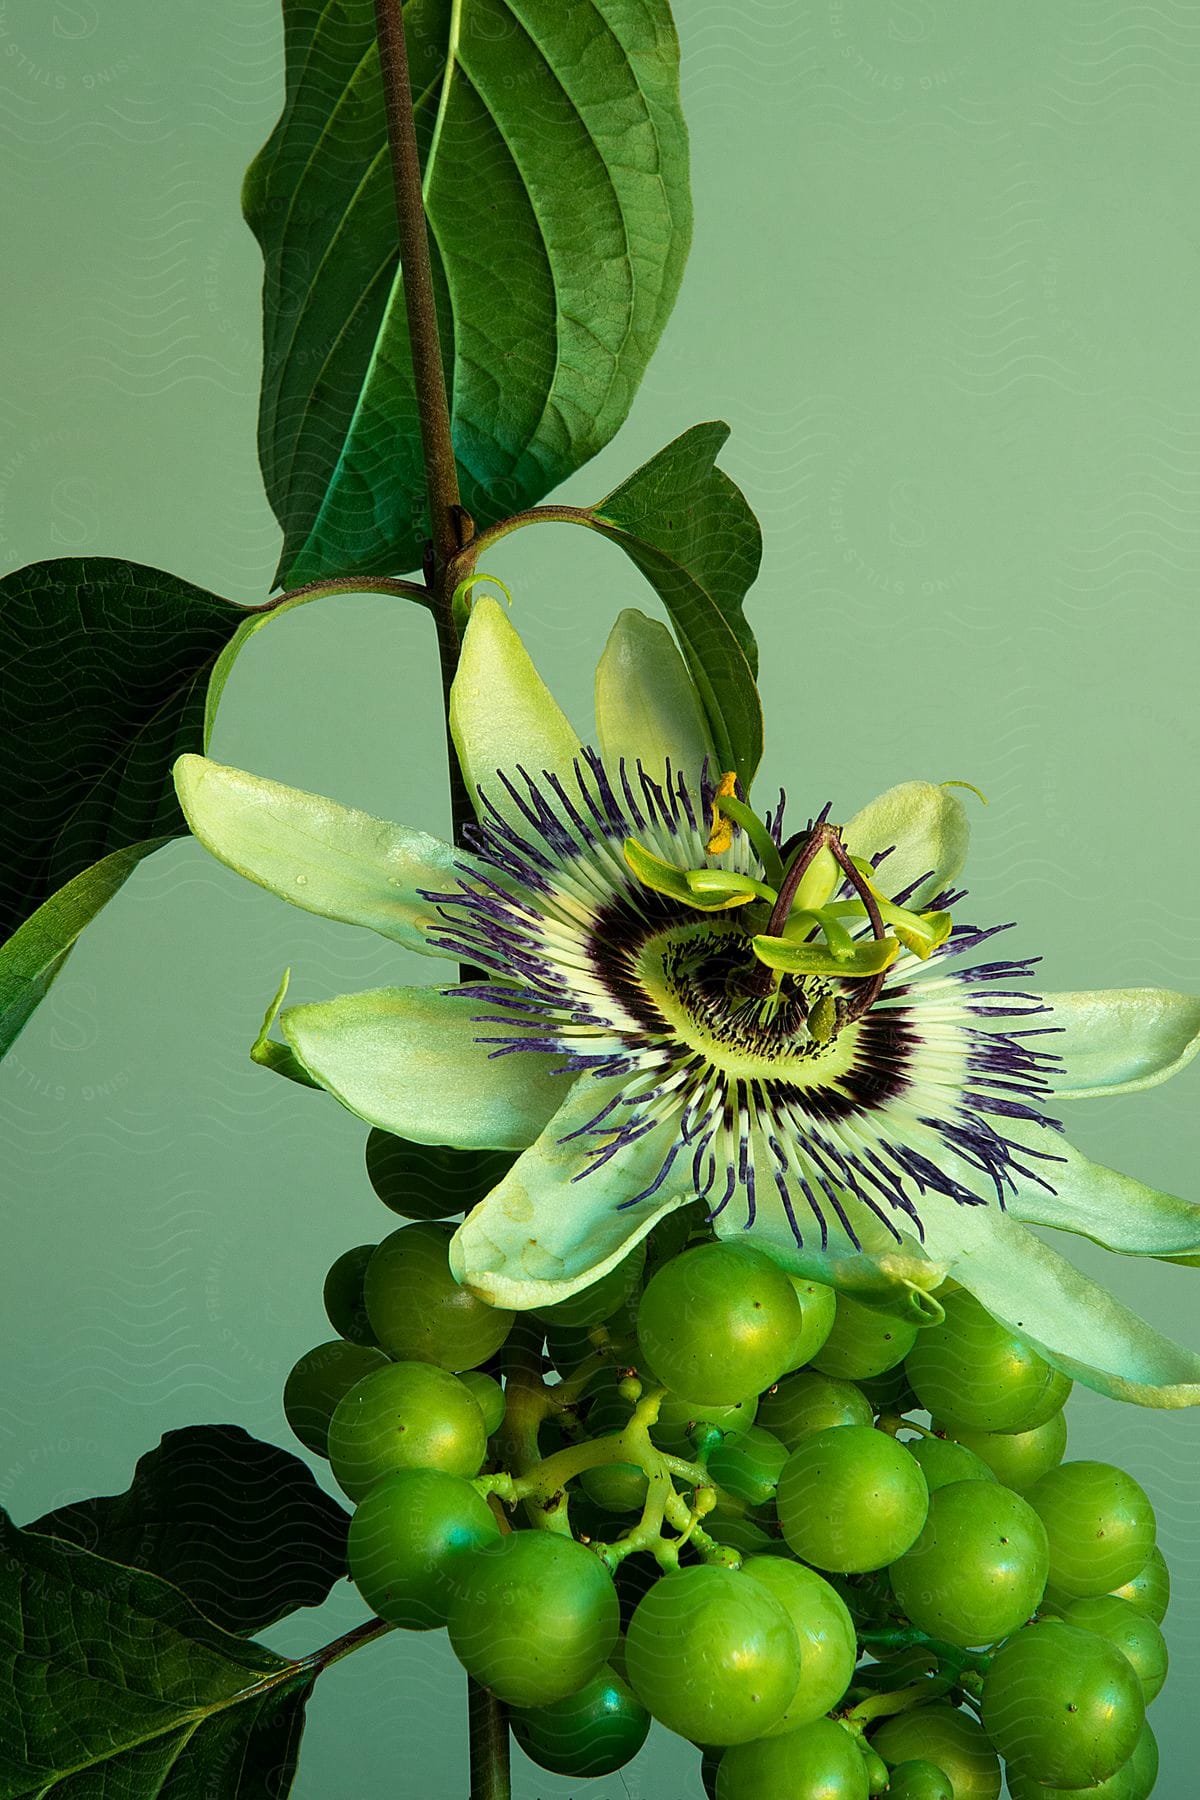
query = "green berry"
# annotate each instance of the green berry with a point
(316, 1384)
(864, 1341)
(343, 1295)
(407, 1415)
(718, 1324)
(407, 1540)
(419, 1312)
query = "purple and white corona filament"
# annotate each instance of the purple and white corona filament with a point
(608, 976)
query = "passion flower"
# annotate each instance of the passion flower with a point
(681, 998)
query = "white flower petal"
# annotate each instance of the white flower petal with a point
(557, 1223)
(1118, 1040)
(503, 717)
(1074, 1322)
(409, 1061)
(1098, 1203)
(924, 827)
(325, 858)
(647, 707)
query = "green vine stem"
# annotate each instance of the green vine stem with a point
(632, 1445)
(533, 515)
(328, 1654)
(963, 1669)
(898, 1700)
(488, 1732)
(540, 1483)
(346, 584)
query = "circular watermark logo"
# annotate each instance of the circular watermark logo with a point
(47, 1473)
(1119, 318)
(67, 49)
(1111, 737)
(61, 1065)
(915, 48)
(52, 500)
(892, 529)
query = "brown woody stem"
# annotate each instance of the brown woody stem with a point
(449, 527)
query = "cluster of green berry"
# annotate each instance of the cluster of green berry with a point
(705, 1491)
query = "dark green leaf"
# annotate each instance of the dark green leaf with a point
(680, 506)
(103, 670)
(241, 1527)
(695, 539)
(555, 160)
(117, 1688)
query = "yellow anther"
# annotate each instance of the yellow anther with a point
(721, 835)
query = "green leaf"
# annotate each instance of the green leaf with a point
(693, 536)
(117, 1688)
(555, 164)
(103, 670)
(241, 1527)
(680, 504)
(1070, 1192)
(37, 950)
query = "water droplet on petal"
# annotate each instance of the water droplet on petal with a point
(302, 881)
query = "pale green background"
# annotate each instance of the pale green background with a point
(944, 289)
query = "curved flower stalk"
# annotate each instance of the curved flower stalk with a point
(681, 999)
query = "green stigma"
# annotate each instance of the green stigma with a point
(798, 924)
